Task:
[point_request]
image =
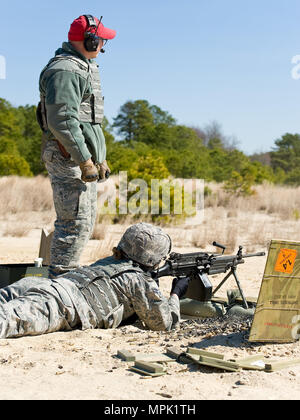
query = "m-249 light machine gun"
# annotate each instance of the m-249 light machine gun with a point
(199, 265)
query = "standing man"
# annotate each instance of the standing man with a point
(70, 114)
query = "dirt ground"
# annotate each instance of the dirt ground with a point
(81, 365)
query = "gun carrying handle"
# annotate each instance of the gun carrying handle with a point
(219, 246)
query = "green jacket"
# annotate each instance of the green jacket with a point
(69, 88)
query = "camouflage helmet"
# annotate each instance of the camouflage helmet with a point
(146, 244)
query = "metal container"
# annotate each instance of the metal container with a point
(10, 273)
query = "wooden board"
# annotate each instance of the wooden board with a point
(149, 367)
(273, 366)
(200, 352)
(277, 314)
(45, 246)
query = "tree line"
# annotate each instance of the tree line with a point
(143, 138)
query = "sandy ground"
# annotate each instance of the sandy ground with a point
(82, 364)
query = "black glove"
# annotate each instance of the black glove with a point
(180, 286)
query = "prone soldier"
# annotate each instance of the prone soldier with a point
(101, 295)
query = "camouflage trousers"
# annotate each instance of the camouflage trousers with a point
(34, 306)
(76, 207)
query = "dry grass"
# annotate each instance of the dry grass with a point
(273, 212)
(25, 195)
(269, 199)
(100, 231)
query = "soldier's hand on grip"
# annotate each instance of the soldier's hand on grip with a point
(180, 286)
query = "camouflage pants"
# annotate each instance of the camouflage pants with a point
(76, 206)
(35, 306)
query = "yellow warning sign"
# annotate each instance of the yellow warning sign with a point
(286, 261)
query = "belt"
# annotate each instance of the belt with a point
(62, 150)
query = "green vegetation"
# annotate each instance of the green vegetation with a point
(20, 141)
(152, 194)
(147, 142)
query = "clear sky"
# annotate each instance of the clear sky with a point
(201, 60)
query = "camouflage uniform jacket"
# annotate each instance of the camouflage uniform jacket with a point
(72, 104)
(133, 291)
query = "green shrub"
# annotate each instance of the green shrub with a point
(14, 165)
(160, 201)
(240, 184)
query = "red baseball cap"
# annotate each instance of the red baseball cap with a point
(80, 26)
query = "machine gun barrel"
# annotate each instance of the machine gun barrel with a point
(224, 262)
(257, 254)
